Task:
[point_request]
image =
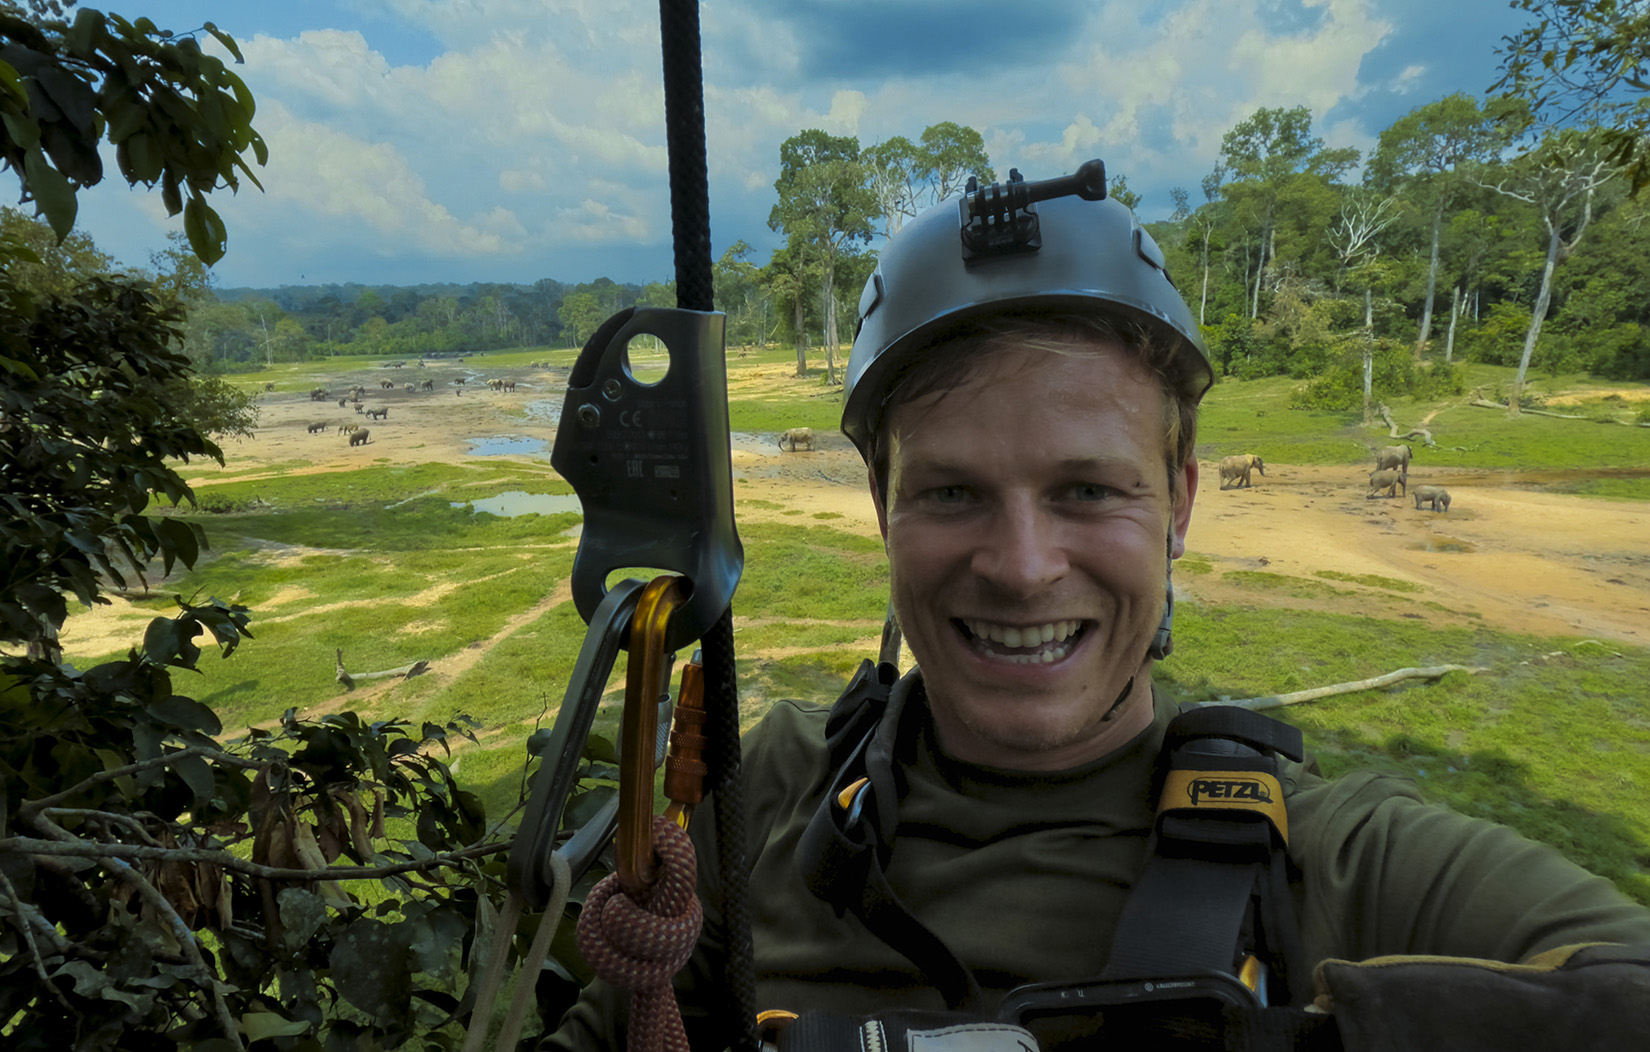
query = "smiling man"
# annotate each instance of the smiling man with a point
(1022, 836)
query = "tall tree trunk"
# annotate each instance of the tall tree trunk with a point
(1204, 302)
(801, 340)
(1369, 357)
(1543, 299)
(828, 290)
(1432, 281)
(1260, 268)
(1454, 313)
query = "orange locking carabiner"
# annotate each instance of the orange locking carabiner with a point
(639, 728)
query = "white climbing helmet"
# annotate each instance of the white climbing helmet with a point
(1059, 244)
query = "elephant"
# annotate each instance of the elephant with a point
(797, 436)
(428, 385)
(387, 385)
(509, 385)
(359, 438)
(269, 387)
(1434, 495)
(347, 429)
(319, 395)
(495, 384)
(1393, 457)
(410, 389)
(1388, 479)
(321, 426)
(342, 402)
(378, 414)
(1238, 467)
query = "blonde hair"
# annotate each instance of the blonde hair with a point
(950, 358)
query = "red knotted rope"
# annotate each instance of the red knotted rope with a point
(641, 944)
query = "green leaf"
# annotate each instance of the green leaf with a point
(197, 775)
(539, 741)
(302, 914)
(205, 230)
(12, 84)
(51, 191)
(372, 969)
(186, 714)
(226, 40)
(161, 640)
(260, 1025)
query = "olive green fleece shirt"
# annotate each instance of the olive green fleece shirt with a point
(1023, 876)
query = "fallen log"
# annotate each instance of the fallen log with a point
(1392, 428)
(1275, 701)
(417, 668)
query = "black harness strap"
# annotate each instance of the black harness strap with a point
(1215, 888)
(846, 847)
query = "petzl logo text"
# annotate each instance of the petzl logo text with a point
(1245, 789)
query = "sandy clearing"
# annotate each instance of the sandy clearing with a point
(1517, 558)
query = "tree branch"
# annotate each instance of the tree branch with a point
(29, 808)
(158, 902)
(24, 924)
(76, 848)
(1275, 701)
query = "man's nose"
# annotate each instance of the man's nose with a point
(1021, 551)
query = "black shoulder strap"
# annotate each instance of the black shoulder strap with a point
(1215, 889)
(844, 850)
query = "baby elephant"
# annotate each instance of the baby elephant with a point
(1237, 468)
(797, 436)
(1434, 495)
(1387, 479)
(322, 426)
(358, 437)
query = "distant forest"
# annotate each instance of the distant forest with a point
(1367, 276)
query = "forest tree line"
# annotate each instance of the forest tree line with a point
(1446, 243)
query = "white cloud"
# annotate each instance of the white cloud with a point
(519, 180)
(595, 221)
(1408, 79)
(330, 175)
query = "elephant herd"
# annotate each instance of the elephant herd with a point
(1389, 479)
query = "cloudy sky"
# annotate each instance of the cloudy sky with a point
(511, 140)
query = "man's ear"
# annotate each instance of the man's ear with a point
(1182, 513)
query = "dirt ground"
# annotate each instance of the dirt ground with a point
(1517, 558)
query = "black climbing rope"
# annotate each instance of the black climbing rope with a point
(690, 223)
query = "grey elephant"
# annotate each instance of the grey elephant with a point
(1397, 457)
(1237, 468)
(378, 414)
(797, 436)
(359, 437)
(322, 426)
(1437, 496)
(1389, 479)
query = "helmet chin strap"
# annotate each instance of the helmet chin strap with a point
(1162, 644)
(1163, 640)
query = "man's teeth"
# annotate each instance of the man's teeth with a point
(1034, 639)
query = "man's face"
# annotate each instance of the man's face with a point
(1029, 523)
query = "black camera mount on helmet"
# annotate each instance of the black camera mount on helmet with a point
(1002, 217)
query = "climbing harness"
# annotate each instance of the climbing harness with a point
(1207, 934)
(650, 462)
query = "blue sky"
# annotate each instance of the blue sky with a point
(511, 140)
